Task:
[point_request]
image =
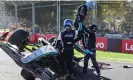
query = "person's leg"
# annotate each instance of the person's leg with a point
(94, 61)
(63, 62)
(70, 63)
(86, 58)
(61, 58)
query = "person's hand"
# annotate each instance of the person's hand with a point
(91, 52)
(88, 51)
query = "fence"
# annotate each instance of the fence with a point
(48, 17)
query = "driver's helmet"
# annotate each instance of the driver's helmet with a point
(90, 4)
(19, 38)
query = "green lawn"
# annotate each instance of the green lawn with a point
(111, 56)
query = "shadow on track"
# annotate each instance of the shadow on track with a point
(105, 68)
(89, 76)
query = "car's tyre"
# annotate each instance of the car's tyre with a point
(27, 75)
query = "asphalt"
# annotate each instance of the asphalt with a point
(10, 71)
(113, 72)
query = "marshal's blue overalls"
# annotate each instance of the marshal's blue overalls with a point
(67, 37)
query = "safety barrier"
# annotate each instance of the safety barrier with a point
(102, 43)
(127, 46)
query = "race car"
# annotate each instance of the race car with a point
(42, 62)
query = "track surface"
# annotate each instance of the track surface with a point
(10, 71)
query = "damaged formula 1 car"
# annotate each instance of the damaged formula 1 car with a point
(42, 63)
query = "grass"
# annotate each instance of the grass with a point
(109, 56)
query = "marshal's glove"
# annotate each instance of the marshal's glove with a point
(86, 51)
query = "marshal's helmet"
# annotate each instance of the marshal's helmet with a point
(68, 22)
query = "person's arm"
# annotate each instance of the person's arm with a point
(86, 30)
(77, 36)
(80, 17)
